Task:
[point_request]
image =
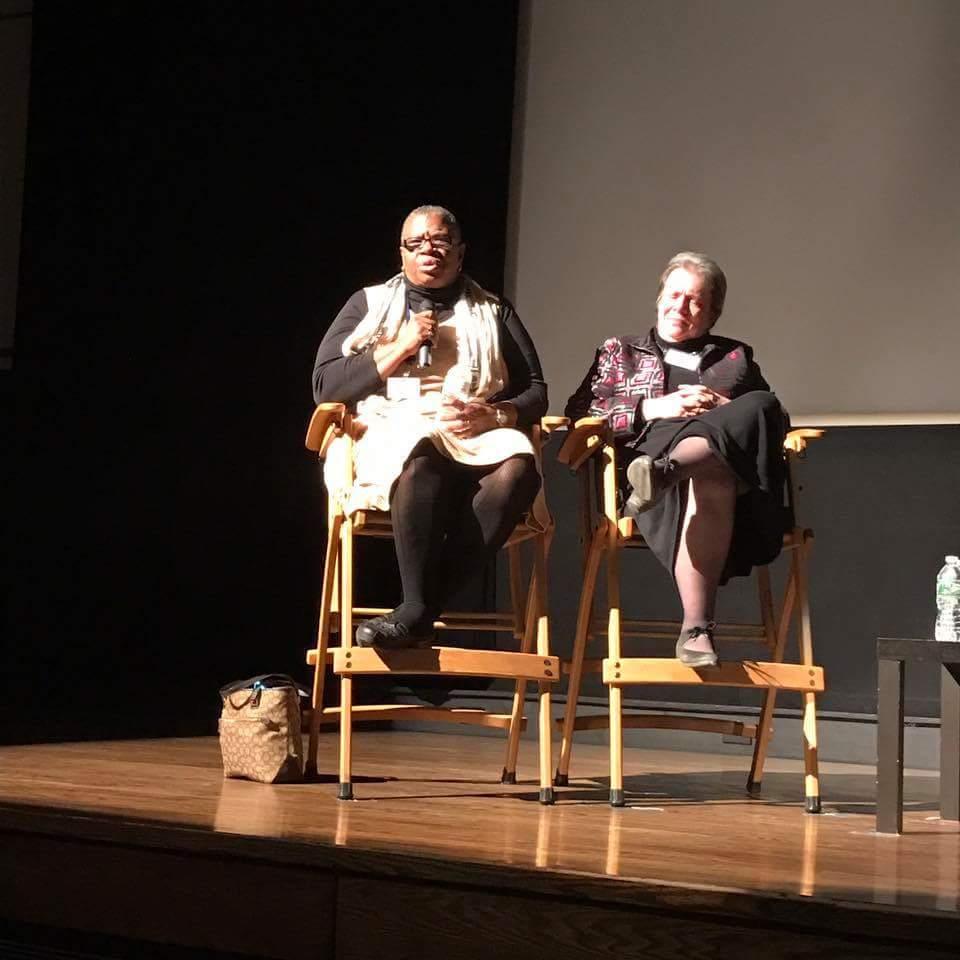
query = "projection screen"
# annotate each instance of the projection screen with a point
(812, 148)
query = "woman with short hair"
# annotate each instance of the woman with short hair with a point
(444, 381)
(701, 437)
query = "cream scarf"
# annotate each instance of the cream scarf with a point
(478, 338)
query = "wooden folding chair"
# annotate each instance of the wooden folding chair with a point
(527, 621)
(589, 450)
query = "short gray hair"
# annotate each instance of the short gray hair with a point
(448, 219)
(708, 269)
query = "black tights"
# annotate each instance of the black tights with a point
(449, 519)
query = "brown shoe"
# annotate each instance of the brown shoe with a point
(697, 658)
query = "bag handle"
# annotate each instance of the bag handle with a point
(253, 695)
(265, 681)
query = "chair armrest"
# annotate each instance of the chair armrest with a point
(796, 440)
(589, 433)
(549, 424)
(587, 436)
(325, 424)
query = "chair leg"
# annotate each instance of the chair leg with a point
(545, 735)
(767, 614)
(584, 617)
(617, 798)
(536, 627)
(811, 780)
(781, 629)
(812, 776)
(517, 597)
(323, 640)
(545, 727)
(762, 742)
(509, 774)
(345, 791)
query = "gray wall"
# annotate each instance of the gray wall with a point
(810, 147)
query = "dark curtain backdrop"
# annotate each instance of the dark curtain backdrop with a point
(206, 183)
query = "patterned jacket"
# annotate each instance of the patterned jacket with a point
(627, 370)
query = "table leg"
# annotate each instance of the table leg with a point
(950, 741)
(890, 746)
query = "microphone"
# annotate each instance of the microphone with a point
(425, 351)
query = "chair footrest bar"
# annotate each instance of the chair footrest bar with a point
(453, 661)
(660, 721)
(469, 716)
(737, 673)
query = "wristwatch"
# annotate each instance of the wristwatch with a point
(501, 416)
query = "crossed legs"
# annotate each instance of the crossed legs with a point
(708, 491)
(705, 536)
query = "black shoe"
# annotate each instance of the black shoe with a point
(697, 658)
(650, 479)
(390, 635)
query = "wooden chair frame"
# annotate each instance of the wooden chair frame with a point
(590, 451)
(527, 621)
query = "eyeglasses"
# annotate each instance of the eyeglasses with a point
(412, 244)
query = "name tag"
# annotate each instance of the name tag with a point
(680, 358)
(403, 388)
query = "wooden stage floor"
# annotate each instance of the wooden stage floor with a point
(436, 857)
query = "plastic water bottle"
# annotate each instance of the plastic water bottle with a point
(948, 600)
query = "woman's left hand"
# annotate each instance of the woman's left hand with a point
(467, 418)
(707, 398)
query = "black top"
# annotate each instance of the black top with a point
(348, 380)
(675, 376)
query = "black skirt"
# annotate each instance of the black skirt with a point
(747, 434)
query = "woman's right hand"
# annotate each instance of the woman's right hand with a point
(689, 400)
(420, 328)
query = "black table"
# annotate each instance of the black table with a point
(892, 654)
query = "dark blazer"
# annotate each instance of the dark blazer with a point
(627, 370)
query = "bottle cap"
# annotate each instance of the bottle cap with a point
(952, 559)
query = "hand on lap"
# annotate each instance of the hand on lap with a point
(689, 400)
(467, 418)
